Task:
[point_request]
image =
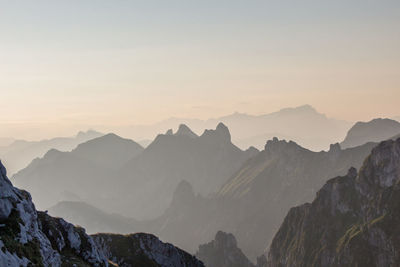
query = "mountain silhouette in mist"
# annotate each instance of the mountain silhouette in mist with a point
(84, 172)
(20, 153)
(302, 124)
(251, 204)
(373, 131)
(118, 174)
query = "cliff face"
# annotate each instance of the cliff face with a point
(28, 237)
(143, 250)
(353, 221)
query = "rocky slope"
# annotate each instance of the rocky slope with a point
(31, 238)
(143, 250)
(353, 221)
(223, 252)
(375, 130)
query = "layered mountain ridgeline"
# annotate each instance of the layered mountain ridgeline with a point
(302, 124)
(20, 153)
(223, 252)
(254, 201)
(251, 204)
(32, 238)
(93, 172)
(143, 250)
(94, 219)
(375, 130)
(353, 221)
(84, 173)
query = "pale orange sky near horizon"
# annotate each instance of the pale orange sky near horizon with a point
(68, 65)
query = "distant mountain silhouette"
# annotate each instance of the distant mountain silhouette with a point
(118, 175)
(85, 173)
(205, 161)
(375, 130)
(6, 141)
(109, 150)
(302, 124)
(20, 153)
(81, 213)
(223, 252)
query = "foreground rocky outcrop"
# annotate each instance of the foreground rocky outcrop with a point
(143, 250)
(223, 252)
(31, 238)
(353, 221)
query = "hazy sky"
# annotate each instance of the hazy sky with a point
(123, 62)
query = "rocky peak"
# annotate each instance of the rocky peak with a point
(184, 130)
(183, 193)
(381, 169)
(335, 148)
(221, 133)
(225, 240)
(353, 221)
(278, 146)
(223, 252)
(169, 132)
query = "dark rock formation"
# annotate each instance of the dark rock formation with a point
(353, 221)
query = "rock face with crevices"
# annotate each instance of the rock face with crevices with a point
(353, 221)
(32, 238)
(143, 250)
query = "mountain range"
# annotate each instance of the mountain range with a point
(127, 175)
(302, 124)
(250, 204)
(373, 131)
(178, 176)
(20, 153)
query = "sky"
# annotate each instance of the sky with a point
(71, 64)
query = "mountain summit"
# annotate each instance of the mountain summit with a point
(375, 130)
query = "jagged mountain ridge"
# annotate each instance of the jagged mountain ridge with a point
(254, 201)
(148, 176)
(315, 131)
(353, 221)
(289, 174)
